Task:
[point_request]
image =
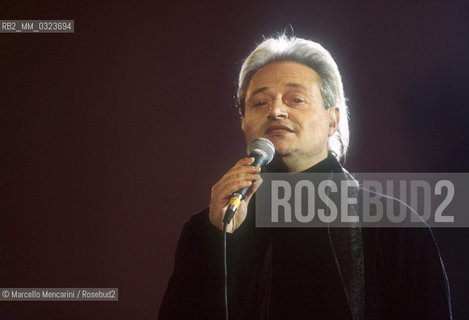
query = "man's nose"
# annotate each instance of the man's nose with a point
(278, 110)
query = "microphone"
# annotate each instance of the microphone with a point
(263, 151)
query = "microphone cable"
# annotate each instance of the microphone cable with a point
(225, 224)
(263, 151)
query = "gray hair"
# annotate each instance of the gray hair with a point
(313, 55)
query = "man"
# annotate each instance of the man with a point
(290, 92)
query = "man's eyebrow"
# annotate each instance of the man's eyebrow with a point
(292, 85)
(259, 90)
(296, 85)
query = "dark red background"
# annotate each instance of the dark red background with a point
(113, 135)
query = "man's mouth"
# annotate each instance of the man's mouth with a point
(277, 130)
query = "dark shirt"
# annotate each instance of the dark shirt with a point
(305, 281)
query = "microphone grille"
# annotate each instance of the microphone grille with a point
(263, 144)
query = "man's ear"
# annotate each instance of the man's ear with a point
(242, 122)
(334, 117)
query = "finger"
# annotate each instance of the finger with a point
(243, 175)
(236, 178)
(242, 170)
(227, 189)
(244, 162)
(236, 174)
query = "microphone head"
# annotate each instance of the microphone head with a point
(263, 145)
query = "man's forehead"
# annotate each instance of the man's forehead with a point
(287, 85)
(284, 74)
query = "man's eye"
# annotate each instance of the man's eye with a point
(297, 100)
(260, 103)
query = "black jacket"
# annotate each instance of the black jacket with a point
(362, 273)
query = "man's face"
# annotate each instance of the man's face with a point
(284, 104)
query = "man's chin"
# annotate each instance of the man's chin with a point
(282, 148)
(282, 152)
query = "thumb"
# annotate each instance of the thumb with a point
(253, 189)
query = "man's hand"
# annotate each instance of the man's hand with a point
(242, 175)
